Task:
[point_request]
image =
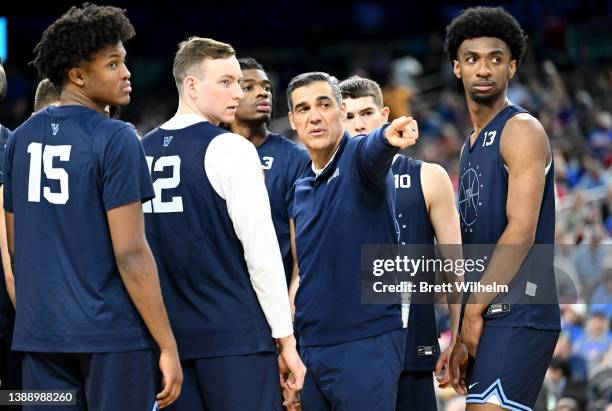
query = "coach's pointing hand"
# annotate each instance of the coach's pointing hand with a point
(402, 132)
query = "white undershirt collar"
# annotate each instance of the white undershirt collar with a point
(182, 121)
(318, 172)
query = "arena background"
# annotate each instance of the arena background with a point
(565, 80)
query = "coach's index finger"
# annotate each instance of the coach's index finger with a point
(397, 126)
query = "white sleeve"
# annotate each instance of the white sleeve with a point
(233, 168)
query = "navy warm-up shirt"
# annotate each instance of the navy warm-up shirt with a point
(7, 313)
(65, 167)
(221, 294)
(350, 204)
(283, 162)
(483, 192)
(422, 347)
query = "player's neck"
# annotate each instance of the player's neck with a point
(482, 114)
(255, 133)
(186, 108)
(70, 97)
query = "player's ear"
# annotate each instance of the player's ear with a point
(343, 108)
(77, 76)
(512, 69)
(189, 86)
(290, 115)
(385, 113)
(456, 69)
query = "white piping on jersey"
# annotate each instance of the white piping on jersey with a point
(545, 169)
(182, 120)
(395, 157)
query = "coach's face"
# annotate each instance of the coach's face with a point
(485, 66)
(316, 116)
(217, 91)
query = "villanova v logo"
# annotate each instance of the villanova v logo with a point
(167, 140)
(54, 128)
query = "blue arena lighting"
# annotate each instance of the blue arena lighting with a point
(3, 39)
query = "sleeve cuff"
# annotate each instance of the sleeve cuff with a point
(285, 331)
(382, 138)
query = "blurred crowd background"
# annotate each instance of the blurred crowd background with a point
(565, 80)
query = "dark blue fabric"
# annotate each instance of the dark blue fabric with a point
(10, 368)
(7, 312)
(416, 392)
(205, 282)
(358, 375)
(350, 204)
(70, 296)
(511, 363)
(210, 384)
(483, 190)
(125, 381)
(410, 205)
(416, 228)
(283, 162)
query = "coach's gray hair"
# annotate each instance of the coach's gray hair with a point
(306, 79)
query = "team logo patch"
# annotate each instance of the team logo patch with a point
(167, 140)
(54, 128)
(469, 196)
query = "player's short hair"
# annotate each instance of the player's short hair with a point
(249, 63)
(192, 52)
(46, 93)
(76, 35)
(3, 83)
(357, 87)
(306, 79)
(485, 22)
